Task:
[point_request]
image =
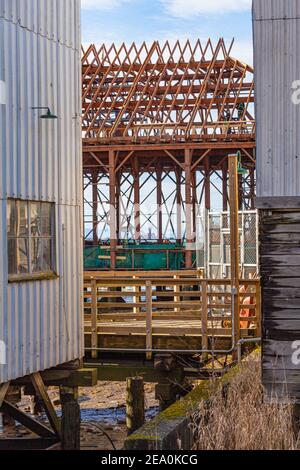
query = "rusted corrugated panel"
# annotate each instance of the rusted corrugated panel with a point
(280, 270)
(277, 75)
(41, 322)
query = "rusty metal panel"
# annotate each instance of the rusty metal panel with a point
(276, 25)
(280, 271)
(40, 65)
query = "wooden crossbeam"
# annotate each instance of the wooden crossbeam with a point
(28, 421)
(42, 393)
(3, 390)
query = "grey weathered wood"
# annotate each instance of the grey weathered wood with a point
(70, 425)
(277, 202)
(280, 270)
(135, 404)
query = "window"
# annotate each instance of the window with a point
(31, 241)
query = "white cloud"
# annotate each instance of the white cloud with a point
(190, 8)
(101, 4)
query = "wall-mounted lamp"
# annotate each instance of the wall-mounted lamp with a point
(48, 115)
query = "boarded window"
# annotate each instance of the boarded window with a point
(30, 232)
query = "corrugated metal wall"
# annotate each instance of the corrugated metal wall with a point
(277, 68)
(41, 322)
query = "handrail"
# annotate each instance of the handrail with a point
(159, 306)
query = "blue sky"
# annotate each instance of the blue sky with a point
(138, 20)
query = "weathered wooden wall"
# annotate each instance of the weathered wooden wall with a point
(280, 270)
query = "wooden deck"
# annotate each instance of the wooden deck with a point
(165, 312)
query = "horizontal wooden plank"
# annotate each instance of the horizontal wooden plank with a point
(280, 354)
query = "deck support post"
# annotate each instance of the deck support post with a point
(234, 243)
(135, 404)
(159, 204)
(112, 210)
(136, 188)
(188, 208)
(70, 424)
(95, 177)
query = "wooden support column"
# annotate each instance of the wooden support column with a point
(112, 210)
(70, 423)
(136, 191)
(149, 319)
(135, 404)
(204, 318)
(194, 199)
(179, 205)
(188, 209)
(94, 325)
(240, 192)
(225, 186)
(42, 393)
(159, 205)
(234, 241)
(207, 183)
(118, 197)
(95, 177)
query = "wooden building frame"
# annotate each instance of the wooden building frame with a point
(165, 112)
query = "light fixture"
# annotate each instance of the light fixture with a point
(48, 115)
(241, 170)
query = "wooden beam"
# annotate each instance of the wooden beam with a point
(41, 391)
(26, 420)
(3, 390)
(149, 319)
(234, 241)
(188, 208)
(9, 444)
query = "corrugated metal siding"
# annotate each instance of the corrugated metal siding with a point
(280, 270)
(277, 66)
(41, 160)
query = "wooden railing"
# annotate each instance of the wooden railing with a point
(168, 304)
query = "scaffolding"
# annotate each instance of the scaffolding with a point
(158, 124)
(213, 244)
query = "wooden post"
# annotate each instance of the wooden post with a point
(112, 210)
(136, 188)
(159, 204)
(136, 298)
(176, 290)
(95, 206)
(188, 209)
(204, 317)
(207, 183)
(179, 205)
(135, 404)
(234, 241)
(94, 321)
(70, 424)
(149, 319)
(225, 186)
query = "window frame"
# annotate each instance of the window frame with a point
(40, 275)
